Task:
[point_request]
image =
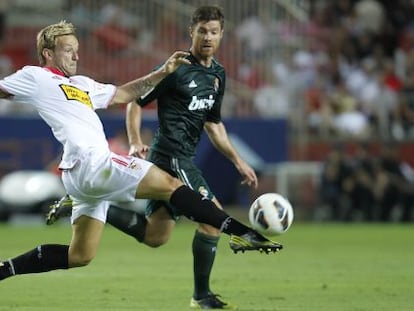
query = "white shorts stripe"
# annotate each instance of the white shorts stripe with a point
(181, 173)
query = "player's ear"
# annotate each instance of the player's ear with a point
(47, 54)
(190, 31)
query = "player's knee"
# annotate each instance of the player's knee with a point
(159, 227)
(80, 260)
(156, 241)
(175, 183)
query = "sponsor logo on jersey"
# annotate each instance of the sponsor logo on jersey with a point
(192, 84)
(202, 103)
(73, 93)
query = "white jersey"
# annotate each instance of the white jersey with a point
(67, 105)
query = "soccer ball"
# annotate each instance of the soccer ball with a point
(271, 214)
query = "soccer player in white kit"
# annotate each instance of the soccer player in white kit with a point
(91, 173)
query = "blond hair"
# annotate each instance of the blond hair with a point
(46, 38)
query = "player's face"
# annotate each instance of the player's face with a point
(206, 37)
(65, 55)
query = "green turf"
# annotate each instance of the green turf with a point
(324, 267)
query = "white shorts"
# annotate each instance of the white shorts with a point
(101, 177)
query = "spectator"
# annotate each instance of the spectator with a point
(254, 32)
(360, 185)
(334, 177)
(393, 186)
(6, 63)
(403, 114)
(271, 99)
(316, 108)
(370, 16)
(347, 119)
(118, 28)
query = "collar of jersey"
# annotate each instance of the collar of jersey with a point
(55, 71)
(195, 60)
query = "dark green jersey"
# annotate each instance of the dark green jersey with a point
(186, 99)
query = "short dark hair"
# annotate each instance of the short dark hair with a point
(208, 13)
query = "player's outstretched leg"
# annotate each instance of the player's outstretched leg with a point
(59, 209)
(243, 238)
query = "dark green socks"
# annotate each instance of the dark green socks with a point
(204, 252)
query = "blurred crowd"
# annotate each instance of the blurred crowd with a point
(369, 185)
(332, 68)
(348, 73)
(360, 74)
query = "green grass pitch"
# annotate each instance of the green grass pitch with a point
(324, 267)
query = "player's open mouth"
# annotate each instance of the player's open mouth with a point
(207, 47)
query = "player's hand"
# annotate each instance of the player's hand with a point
(248, 175)
(176, 60)
(138, 150)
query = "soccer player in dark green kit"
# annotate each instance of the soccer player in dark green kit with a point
(189, 101)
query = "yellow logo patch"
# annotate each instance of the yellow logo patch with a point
(73, 93)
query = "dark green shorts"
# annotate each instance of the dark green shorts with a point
(186, 171)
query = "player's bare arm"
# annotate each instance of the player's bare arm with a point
(133, 126)
(132, 90)
(217, 134)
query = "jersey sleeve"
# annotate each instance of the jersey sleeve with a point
(101, 94)
(21, 84)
